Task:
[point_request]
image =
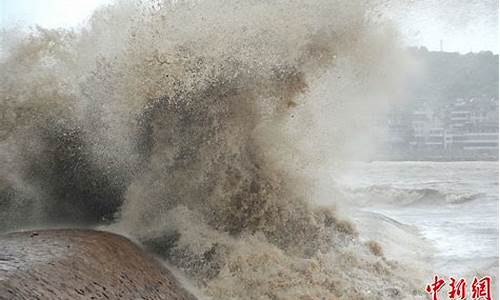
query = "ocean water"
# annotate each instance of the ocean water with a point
(452, 207)
(200, 128)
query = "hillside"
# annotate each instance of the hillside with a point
(446, 76)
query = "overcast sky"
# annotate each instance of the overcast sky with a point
(462, 25)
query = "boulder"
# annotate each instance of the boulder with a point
(81, 264)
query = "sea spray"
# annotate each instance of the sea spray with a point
(196, 127)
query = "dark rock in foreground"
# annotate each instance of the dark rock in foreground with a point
(81, 264)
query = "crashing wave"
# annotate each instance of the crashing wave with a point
(195, 127)
(387, 194)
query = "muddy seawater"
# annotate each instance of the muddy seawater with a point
(197, 129)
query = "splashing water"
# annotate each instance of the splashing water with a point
(196, 128)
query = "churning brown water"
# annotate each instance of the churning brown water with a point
(196, 127)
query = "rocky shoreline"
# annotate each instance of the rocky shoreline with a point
(81, 264)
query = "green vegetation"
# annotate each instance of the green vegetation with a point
(446, 76)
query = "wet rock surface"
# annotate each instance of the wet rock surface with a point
(81, 264)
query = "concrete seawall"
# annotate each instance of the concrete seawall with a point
(81, 264)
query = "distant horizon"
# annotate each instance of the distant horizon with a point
(450, 51)
(430, 49)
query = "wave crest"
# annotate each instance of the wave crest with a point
(196, 127)
(386, 194)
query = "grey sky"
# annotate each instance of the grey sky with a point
(463, 25)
